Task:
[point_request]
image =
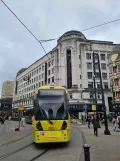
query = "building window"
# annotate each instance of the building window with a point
(52, 62)
(34, 86)
(48, 72)
(96, 56)
(70, 95)
(48, 64)
(81, 95)
(42, 83)
(52, 79)
(48, 80)
(79, 65)
(96, 66)
(39, 77)
(39, 69)
(80, 76)
(42, 68)
(42, 75)
(34, 79)
(104, 75)
(89, 74)
(98, 86)
(52, 70)
(69, 69)
(79, 56)
(88, 56)
(102, 56)
(89, 65)
(97, 75)
(80, 85)
(39, 84)
(90, 84)
(103, 66)
(106, 85)
(98, 95)
(118, 68)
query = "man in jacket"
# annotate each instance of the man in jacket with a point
(95, 125)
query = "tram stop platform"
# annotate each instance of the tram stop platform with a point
(103, 147)
(8, 133)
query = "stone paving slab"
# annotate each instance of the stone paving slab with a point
(8, 133)
(103, 147)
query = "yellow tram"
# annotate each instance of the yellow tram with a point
(51, 119)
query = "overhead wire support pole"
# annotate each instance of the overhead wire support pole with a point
(94, 73)
(106, 131)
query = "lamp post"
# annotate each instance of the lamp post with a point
(106, 131)
(94, 83)
(114, 105)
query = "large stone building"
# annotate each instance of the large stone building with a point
(69, 64)
(7, 89)
(114, 68)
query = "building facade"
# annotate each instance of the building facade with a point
(114, 68)
(7, 89)
(69, 64)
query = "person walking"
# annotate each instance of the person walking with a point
(9, 119)
(89, 121)
(95, 125)
(23, 121)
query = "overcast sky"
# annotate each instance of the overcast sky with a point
(50, 19)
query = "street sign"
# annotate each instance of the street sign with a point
(21, 108)
(93, 107)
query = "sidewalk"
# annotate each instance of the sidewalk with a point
(103, 147)
(8, 133)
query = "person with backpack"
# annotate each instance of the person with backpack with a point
(95, 125)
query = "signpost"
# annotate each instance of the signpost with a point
(20, 108)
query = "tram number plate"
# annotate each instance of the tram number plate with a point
(51, 128)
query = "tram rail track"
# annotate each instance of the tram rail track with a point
(13, 141)
(14, 152)
(41, 153)
(23, 148)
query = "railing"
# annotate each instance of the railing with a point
(74, 117)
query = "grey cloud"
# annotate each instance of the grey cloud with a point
(49, 19)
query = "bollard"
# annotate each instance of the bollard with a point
(86, 152)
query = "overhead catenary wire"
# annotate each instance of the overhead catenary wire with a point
(25, 27)
(41, 41)
(87, 29)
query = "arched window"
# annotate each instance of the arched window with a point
(69, 69)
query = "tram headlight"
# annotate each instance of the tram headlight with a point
(39, 126)
(64, 125)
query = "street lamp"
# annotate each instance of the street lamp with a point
(94, 72)
(106, 131)
(114, 105)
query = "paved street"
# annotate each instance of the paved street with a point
(103, 147)
(8, 133)
(57, 152)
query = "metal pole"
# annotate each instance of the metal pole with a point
(19, 120)
(113, 98)
(94, 71)
(106, 132)
(86, 152)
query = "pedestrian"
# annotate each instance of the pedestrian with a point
(95, 125)
(2, 120)
(89, 121)
(9, 119)
(23, 121)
